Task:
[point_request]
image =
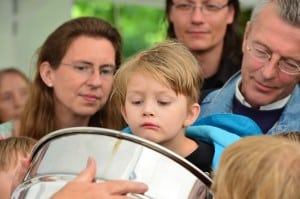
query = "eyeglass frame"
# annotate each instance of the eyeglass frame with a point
(192, 7)
(79, 66)
(265, 57)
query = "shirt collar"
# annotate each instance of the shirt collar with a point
(275, 105)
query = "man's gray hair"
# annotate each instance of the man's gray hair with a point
(288, 10)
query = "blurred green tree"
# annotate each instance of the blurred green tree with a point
(139, 26)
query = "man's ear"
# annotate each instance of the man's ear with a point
(46, 73)
(193, 113)
(246, 35)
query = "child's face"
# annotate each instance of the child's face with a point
(154, 111)
(10, 179)
(6, 183)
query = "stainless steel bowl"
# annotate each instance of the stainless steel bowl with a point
(61, 155)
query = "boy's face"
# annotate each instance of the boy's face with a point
(153, 110)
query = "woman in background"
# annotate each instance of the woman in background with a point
(74, 74)
(14, 89)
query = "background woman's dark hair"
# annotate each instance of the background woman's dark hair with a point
(232, 40)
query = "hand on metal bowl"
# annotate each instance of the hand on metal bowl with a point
(84, 186)
(121, 156)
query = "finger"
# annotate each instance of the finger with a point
(88, 174)
(124, 187)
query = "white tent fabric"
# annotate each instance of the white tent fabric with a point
(24, 25)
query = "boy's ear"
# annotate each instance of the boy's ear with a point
(193, 113)
(46, 73)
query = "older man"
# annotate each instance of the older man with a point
(267, 89)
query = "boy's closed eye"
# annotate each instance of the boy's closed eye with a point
(136, 102)
(163, 102)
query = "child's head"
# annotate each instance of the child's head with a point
(169, 63)
(158, 87)
(259, 167)
(12, 151)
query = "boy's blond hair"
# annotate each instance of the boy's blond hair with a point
(170, 63)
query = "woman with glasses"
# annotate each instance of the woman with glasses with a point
(267, 89)
(74, 74)
(209, 29)
(73, 80)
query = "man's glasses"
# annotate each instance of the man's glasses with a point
(87, 70)
(206, 8)
(263, 55)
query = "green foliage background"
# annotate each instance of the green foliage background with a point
(140, 26)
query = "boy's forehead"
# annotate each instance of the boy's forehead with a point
(156, 76)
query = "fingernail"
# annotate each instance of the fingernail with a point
(89, 161)
(143, 186)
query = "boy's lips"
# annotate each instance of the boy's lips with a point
(150, 125)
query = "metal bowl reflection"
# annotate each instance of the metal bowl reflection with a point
(61, 155)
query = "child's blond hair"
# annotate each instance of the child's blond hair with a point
(12, 148)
